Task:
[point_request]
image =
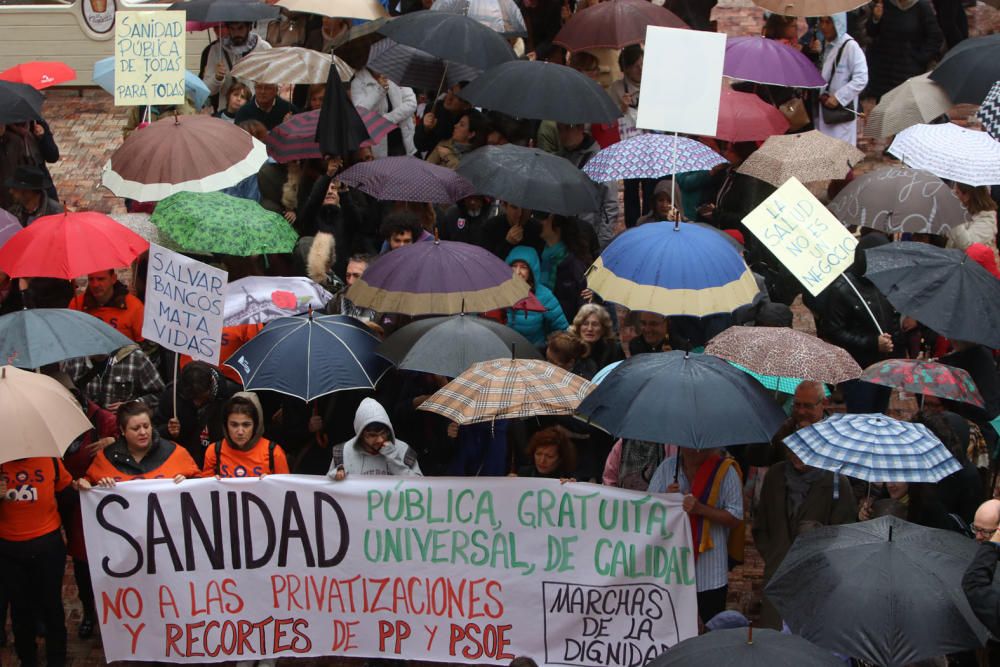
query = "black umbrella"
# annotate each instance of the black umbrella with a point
(746, 647)
(226, 11)
(689, 400)
(531, 178)
(450, 37)
(449, 345)
(542, 91)
(941, 287)
(19, 102)
(340, 129)
(969, 69)
(353, 46)
(885, 591)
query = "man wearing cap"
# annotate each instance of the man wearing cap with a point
(109, 301)
(27, 190)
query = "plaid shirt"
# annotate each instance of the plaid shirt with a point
(121, 378)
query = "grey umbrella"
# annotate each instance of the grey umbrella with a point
(542, 91)
(899, 199)
(886, 591)
(530, 178)
(746, 647)
(450, 37)
(34, 338)
(940, 287)
(413, 68)
(690, 400)
(448, 346)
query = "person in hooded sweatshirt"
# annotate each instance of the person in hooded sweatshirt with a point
(244, 452)
(374, 449)
(533, 325)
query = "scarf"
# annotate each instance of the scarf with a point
(239, 51)
(552, 257)
(706, 487)
(797, 486)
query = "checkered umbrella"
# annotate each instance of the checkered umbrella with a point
(784, 352)
(874, 448)
(989, 112)
(651, 156)
(508, 389)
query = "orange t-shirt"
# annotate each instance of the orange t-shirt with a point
(127, 320)
(232, 339)
(29, 509)
(236, 463)
(179, 462)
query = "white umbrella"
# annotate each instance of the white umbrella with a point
(290, 64)
(502, 16)
(260, 299)
(367, 10)
(950, 152)
(39, 416)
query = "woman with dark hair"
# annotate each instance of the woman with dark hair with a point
(552, 455)
(244, 452)
(468, 134)
(564, 260)
(196, 421)
(138, 453)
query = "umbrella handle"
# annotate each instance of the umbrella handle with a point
(863, 303)
(444, 76)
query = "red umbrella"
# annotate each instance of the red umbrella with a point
(295, 139)
(69, 245)
(614, 24)
(39, 75)
(746, 117)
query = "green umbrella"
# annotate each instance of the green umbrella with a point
(213, 222)
(776, 382)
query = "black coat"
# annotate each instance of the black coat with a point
(194, 419)
(902, 45)
(847, 324)
(978, 586)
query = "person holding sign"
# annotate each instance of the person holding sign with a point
(139, 453)
(846, 74)
(374, 450)
(244, 452)
(33, 555)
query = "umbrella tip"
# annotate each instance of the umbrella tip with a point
(750, 633)
(677, 225)
(3, 372)
(890, 533)
(513, 351)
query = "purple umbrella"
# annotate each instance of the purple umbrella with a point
(295, 139)
(408, 179)
(768, 61)
(437, 278)
(9, 225)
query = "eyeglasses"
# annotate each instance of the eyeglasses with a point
(982, 531)
(806, 406)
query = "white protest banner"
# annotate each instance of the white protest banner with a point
(681, 81)
(469, 570)
(184, 304)
(803, 235)
(149, 58)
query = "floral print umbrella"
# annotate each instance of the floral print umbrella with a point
(929, 378)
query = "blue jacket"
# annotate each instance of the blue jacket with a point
(533, 325)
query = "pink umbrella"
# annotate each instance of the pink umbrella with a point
(746, 117)
(769, 61)
(295, 139)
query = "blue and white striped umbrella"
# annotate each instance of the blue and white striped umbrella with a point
(651, 156)
(874, 448)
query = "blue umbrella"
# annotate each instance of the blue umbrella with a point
(194, 88)
(605, 372)
(34, 338)
(689, 400)
(309, 356)
(874, 448)
(673, 269)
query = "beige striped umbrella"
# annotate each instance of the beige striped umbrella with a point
(290, 64)
(809, 156)
(367, 10)
(508, 389)
(917, 100)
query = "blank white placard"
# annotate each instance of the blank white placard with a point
(681, 81)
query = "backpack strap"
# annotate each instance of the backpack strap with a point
(55, 467)
(218, 456)
(271, 444)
